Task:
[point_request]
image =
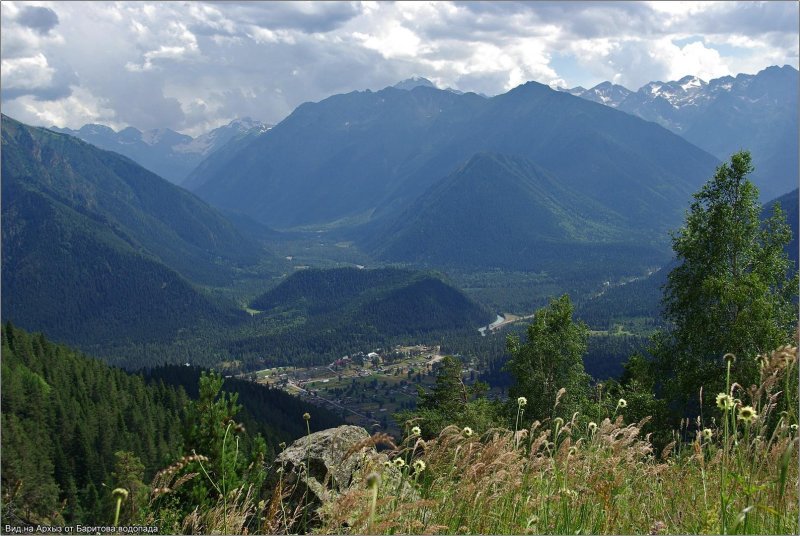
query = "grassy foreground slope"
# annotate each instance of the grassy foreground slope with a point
(736, 474)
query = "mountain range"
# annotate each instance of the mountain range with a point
(755, 112)
(366, 156)
(163, 151)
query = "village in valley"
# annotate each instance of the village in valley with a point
(366, 387)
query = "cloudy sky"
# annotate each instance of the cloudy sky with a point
(192, 66)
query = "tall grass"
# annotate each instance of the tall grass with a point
(737, 474)
(733, 473)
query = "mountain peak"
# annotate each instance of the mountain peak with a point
(415, 81)
(247, 123)
(691, 82)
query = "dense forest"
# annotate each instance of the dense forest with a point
(65, 416)
(73, 427)
(326, 314)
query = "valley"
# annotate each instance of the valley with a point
(482, 265)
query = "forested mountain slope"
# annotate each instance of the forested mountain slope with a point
(330, 313)
(95, 248)
(505, 212)
(67, 416)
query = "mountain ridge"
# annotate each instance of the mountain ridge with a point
(755, 112)
(370, 154)
(500, 211)
(98, 249)
(167, 153)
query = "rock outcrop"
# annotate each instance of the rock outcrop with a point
(337, 459)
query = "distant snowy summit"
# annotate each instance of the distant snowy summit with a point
(754, 111)
(167, 153)
(209, 142)
(688, 91)
(417, 81)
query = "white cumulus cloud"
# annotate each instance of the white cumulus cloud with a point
(194, 65)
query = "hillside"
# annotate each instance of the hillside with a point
(80, 282)
(499, 211)
(642, 297)
(329, 313)
(66, 415)
(97, 249)
(366, 155)
(182, 231)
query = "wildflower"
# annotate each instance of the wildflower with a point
(571, 493)
(592, 427)
(398, 462)
(724, 401)
(789, 354)
(729, 359)
(467, 431)
(707, 434)
(622, 403)
(307, 416)
(373, 479)
(522, 401)
(415, 431)
(419, 466)
(120, 493)
(387, 463)
(747, 414)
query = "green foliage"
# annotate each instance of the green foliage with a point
(269, 412)
(789, 206)
(65, 419)
(128, 474)
(731, 291)
(550, 360)
(232, 462)
(452, 402)
(75, 428)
